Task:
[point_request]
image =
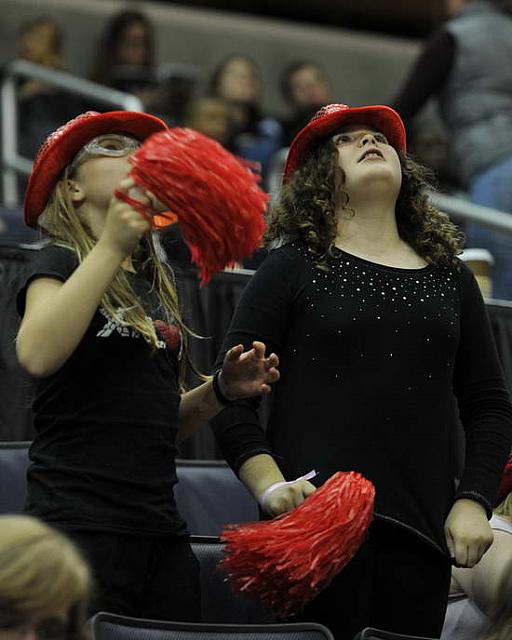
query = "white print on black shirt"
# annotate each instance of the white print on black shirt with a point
(115, 325)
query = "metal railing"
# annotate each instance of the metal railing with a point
(469, 212)
(14, 163)
(456, 207)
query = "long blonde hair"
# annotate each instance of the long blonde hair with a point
(66, 228)
(41, 574)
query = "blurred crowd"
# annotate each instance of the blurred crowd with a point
(468, 146)
(226, 106)
(470, 76)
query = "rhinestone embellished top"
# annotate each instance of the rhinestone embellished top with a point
(370, 358)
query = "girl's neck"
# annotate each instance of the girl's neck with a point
(373, 234)
(367, 226)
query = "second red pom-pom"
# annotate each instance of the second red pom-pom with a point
(287, 561)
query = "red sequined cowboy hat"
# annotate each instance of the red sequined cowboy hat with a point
(329, 119)
(63, 144)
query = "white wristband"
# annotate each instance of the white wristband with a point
(265, 495)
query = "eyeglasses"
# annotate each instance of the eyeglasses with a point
(112, 145)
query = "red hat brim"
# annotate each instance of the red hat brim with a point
(331, 118)
(62, 145)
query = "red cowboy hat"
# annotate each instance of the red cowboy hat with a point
(329, 119)
(63, 144)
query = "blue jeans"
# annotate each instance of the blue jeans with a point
(493, 188)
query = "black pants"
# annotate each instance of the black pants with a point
(395, 582)
(142, 576)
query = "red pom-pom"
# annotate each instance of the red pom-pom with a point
(215, 196)
(286, 562)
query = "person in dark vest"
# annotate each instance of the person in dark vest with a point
(465, 64)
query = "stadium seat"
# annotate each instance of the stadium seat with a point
(209, 496)
(220, 604)
(13, 470)
(106, 626)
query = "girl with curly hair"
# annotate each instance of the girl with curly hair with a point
(379, 328)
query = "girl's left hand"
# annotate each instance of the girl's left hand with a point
(468, 533)
(249, 373)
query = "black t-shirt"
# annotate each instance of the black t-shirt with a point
(371, 358)
(103, 457)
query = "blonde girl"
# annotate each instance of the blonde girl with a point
(102, 335)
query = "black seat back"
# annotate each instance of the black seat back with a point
(106, 626)
(13, 471)
(209, 496)
(220, 604)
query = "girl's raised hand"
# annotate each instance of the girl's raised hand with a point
(124, 226)
(249, 373)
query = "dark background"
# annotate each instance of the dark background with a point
(413, 18)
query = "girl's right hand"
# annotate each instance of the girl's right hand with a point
(124, 226)
(287, 497)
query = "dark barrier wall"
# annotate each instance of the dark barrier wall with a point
(15, 385)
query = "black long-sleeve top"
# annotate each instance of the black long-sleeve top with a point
(371, 360)
(428, 75)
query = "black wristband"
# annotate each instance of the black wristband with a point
(218, 393)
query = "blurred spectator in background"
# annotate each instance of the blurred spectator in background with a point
(127, 44)
(305, 88)
(466, 64)
(256, 137)
(430, 144)
(44, 583)
(41, 106)
(178, 83)
(126, 58)
(39, 41)
(212, 117)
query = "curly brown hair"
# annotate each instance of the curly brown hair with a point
(306, 211)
